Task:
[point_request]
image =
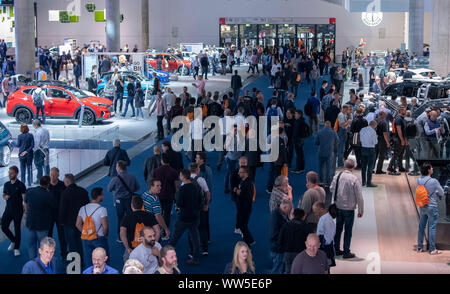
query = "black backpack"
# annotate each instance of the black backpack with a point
(411, 128)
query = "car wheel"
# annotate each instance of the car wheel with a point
(88, 117)
(24, 116)
(5, 156)
(183, 72)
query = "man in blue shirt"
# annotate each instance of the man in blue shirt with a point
(99, 266)
(45, 263)
(327, 140)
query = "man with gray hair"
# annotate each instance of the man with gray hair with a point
(279, 193)
(369, 140)
(314, 194)
(45, 263)
(347, 194)
(41, 150)
(113, 156)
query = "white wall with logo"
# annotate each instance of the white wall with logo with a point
(197, 21)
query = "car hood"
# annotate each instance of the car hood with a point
(95, 99)
(162, 72)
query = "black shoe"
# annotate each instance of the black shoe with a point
(348, 255)
(205, 253)
(413, 174)
(402, 170)
(390, 169)
(339, 252)
(394, 173)
(380, 173)
(371, 186)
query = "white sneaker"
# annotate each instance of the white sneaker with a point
(16, 252)
(238, 231)
(11, 247)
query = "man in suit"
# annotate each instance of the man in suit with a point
(152, 163)
(113, 156)
(236, 84)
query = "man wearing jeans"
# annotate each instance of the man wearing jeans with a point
(39, 208)
(122, 186)
(430, 212)
(347, 194)
(369, 140)
(327, 140)
(344, 122)
(41, 150)
(189, 203)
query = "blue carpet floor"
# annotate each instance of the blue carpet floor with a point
(222, 211)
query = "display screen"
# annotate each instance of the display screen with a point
(6, 2)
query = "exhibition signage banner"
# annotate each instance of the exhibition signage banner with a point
(274, 20)
(138, 63)
(89, 61)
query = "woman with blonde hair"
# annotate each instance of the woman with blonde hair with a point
(242, 260)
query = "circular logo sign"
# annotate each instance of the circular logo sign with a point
(372, 19)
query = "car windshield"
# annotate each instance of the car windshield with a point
(77, 93)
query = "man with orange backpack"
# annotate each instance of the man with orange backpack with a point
(427, 193)
(92, 222)
(132, 225)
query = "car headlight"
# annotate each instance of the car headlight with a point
(99, 104)
(163, 75)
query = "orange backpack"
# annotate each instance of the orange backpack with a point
(205, 110)
(226, 104)
(422, 198)
(336, 125)
(89, 232)
(254, 192)
(299, 78)
(284, 171)
(137, 235)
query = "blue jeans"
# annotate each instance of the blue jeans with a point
(344, 218)
(278, 264)
(123, 207)
(342, 134)
(368, 156)
(42, 110)
(428, 215)
(39, 162)
(325, 169)
(231, 165)
(73, 239)
(130, 101)
(34, 240)
(26, 168)
(139, 112)
(118, 98)
(89, 246)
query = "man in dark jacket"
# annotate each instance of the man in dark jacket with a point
(278, 164)
(39, 209)
(204, 62)
(189, 203)
(92, 83)
(152, 163)
(292, 238)
(235, 180)
(175, 158)
(77, 73)
(72, 199)
(358, 123)
(245, 192)
(236, 84)
(113, 156)
(46, 263)
(277, 220)
(300, 133)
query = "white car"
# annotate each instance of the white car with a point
(418, 74)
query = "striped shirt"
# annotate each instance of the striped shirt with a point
(151, 203)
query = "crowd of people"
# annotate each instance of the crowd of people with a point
(304, 238)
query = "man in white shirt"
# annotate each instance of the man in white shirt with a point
(326, 227)
(369, 140)
(41, 150)
(148, 251)
(99, 216)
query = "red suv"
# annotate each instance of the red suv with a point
(66, 104)
(174, 63)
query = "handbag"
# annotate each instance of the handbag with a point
(356, 140)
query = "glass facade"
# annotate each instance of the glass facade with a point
(270, 35)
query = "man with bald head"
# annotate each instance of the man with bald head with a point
(99, 266)
(311, 260)
(327, 140)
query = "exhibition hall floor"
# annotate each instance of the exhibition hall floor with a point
(383, 239)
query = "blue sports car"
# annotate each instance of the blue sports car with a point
(5, 145)
(136, 77)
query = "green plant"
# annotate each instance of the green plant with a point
(90, 7)
(64, 16)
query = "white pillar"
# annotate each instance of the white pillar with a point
(416, 26)
(145, 25)
(24, 33)
(113, 25)
(440, 37)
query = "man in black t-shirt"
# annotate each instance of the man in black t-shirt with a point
(189, 203)
(245, 194)
(56, 187)
(400, 143)
(137, 220)
(383, 141)
(13, 193)
(119, 93)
